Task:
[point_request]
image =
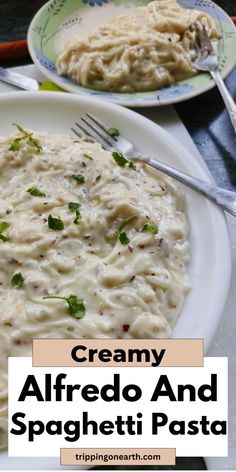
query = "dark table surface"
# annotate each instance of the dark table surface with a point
(205, 118)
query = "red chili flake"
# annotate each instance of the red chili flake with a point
(141, 246)
(100, 312)
(76, 141)
(19, 342)
(45, 220)
(130, 249)
(126, 327)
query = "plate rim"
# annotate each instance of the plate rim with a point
(139, 102)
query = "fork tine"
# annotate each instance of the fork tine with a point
(90, 135)
(76, 132)
(101, 136)
(84, 130)
(207, 40)
(204, 40)
(100, 125)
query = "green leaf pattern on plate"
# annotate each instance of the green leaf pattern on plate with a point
(130, 3)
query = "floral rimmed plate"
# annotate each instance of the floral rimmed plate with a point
(59, 20)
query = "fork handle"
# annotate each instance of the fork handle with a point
(228, 100)
(224, 198)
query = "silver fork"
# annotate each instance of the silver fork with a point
(91, 127)
(207, 61)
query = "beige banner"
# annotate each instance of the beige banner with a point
(118, 352)
(118, 456)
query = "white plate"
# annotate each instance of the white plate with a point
(210, 265)
(59, 20)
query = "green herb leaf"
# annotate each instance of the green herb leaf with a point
(73, 206)
(35, 192)
(124, 238)
(113, 132)
(15, 145)
(87, 156)
(150, 229)
(79, 178)
(120, 159)
(3, 238)
(55, 223)
(17, 280)
(132, 166)
(3, 225)
(77, 218)
(122, 235)
(20, 129)
(76, 305)
(34, 143)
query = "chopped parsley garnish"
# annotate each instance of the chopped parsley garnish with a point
(132, 166)
(35, 192)
(20, 129)
(16, 143)
(79, 178)
(3, 238)
(150, 229)
(55, 223)
(73, 206)
(113, 132)
(119, 158)
(17, 280)
(3, 226)
(34, 143)
(76, 305)
(87, 156)
(122, 161)
(77, 217)
(124, 240)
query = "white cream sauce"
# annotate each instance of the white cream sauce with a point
(130, 291)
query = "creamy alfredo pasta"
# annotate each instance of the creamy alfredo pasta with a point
(116, 238)
(149, 49)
